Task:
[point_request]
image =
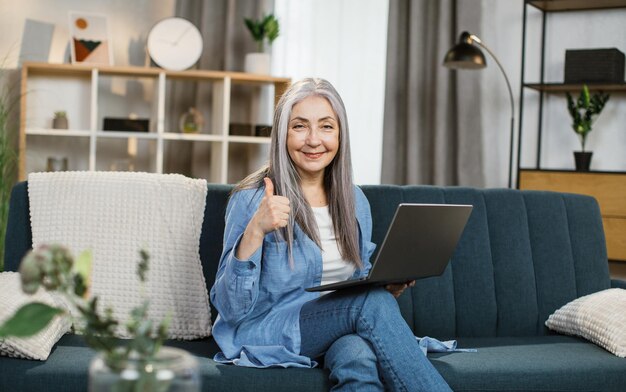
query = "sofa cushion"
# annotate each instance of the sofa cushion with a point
(599, 317)
(12, 298)
(538, 363)
(67, 368)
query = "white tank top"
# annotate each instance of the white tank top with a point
(334, 268)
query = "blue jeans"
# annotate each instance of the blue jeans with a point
(366, 342)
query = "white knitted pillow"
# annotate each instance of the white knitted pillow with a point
(11, 299)
(599, 317)
(115, 214)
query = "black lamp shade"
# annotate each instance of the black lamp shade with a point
(464, 55)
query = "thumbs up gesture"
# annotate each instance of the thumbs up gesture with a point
(273, 212)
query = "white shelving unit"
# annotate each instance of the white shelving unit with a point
(80, 90)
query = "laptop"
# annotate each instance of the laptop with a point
(419, 243)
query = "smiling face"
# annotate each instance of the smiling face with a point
(313, 136)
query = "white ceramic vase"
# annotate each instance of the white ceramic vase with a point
(257, 63)
(173, 370)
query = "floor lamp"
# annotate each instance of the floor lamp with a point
(465, 55)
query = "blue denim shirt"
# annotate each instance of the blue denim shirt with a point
(259, 300)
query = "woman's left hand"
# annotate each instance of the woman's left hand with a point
(397, 289)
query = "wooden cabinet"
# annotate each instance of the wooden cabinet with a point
(609, 189)
(89, 93)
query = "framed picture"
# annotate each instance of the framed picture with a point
(90, 41)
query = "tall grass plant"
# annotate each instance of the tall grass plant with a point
(8, 154)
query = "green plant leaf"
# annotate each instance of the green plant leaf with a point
(255, 29)
(585, 96)
(29, 319)
(82, 266)
(272, 29)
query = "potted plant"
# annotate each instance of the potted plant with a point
(8, 157)
(60, 120)
(138, 364)
(264, 30)
(583, 112)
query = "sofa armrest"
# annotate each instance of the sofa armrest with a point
(618, 283)
(19, 237)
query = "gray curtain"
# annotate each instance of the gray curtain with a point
(226, 42)
(430, 134)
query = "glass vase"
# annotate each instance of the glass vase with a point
(173, 370)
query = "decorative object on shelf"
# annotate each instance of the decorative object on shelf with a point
(175, 44)
(465, 55)
(56, 164)
(36, 41)
(238, 129)
(90, 41)
(263, 30)
(191, 121)
(126, 124)
(262, 130)
(259, 130)
(59, 121)
(134, 365)
(594, 66)
(584, 111)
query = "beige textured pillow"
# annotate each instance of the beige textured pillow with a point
(114, 214)
(599, 317)
(37, 346)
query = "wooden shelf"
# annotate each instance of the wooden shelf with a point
(35, 68)
(198, 137)
(85, 92)
(58, 132)
(575, 5)
(126, 135)
(589, 173)
(249, 139)
(562, 87)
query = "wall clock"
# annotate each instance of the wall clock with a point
(175, 44)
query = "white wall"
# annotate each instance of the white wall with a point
(129, 24)
(344, 42)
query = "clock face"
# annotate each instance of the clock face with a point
(175, 44)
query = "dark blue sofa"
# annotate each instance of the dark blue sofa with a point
(523, 255)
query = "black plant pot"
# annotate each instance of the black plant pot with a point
(583, 160)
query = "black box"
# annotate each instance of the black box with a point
(237, 129)
(126, 124)
(594, 66)
(263, 130)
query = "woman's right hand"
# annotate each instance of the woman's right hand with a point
(272, 214)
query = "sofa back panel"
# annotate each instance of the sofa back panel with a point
(588, 244)
(551, 249)
(472, 267)
(518, 247)
(213, 232)
(516, 292)
(429, 307)
(433, 303)
(19, 237)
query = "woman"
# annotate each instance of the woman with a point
(300, 222)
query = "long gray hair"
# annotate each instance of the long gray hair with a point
(337, 175)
